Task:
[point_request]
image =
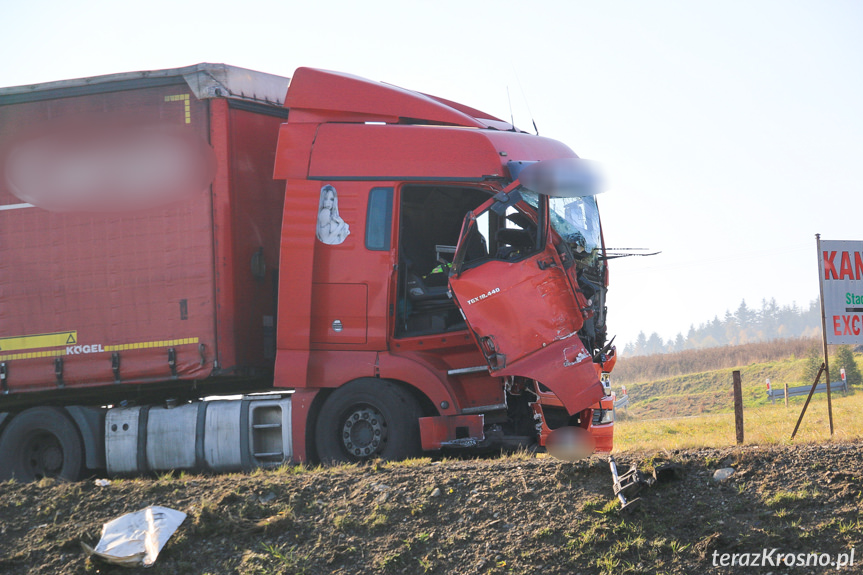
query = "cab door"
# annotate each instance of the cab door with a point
(519, 302)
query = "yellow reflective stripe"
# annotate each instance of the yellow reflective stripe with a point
(34, 354)
(147, 344)
(120, 347)
(187, 107)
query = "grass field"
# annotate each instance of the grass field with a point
(763, 425)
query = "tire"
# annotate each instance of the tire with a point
(41, 442)
(368, 419)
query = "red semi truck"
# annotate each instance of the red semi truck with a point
(410, 273)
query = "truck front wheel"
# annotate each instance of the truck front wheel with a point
(368, 419)
(40, 442)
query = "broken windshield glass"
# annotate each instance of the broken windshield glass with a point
(576, 220)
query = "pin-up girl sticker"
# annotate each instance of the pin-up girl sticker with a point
(332, 229)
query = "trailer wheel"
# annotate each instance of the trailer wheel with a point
(40, 442)
(368, 419)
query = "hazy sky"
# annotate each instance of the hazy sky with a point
(730, 132)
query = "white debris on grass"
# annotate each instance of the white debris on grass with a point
(136, 539)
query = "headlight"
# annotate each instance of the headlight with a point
(603, 416)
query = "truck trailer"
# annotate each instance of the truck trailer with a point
(212, 268)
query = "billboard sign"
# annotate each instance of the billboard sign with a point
(841, 271)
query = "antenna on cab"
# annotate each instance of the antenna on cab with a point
(520, 87)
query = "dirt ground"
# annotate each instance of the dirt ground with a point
(518, 514)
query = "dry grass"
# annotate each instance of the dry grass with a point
(652, 367)
(763, 425)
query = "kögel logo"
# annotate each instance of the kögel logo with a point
(78, 349)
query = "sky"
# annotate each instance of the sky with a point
(730, 133)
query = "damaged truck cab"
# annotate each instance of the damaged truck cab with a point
(436, 265)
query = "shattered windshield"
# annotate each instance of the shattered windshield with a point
(576, 220)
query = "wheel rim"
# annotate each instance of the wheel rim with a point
(363, 432)
(42, 455)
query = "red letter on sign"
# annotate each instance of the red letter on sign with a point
(855, 323)
(858, 265)
(845, 268)
(836, 329)
(829, 267)
(847, 320)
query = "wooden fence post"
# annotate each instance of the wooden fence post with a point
(786, 395)
(738, 406)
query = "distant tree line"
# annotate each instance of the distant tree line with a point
(746, 325)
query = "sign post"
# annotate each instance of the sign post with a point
(821, 269)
